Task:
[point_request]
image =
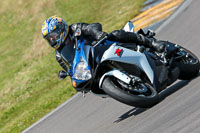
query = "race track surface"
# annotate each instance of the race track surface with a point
(178, 112)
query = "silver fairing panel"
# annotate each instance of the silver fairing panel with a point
(121, 54)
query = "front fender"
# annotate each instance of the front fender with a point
(117, 74)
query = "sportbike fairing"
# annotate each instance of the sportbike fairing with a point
(121, 54)
(68, 52)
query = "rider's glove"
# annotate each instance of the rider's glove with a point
(62, 74)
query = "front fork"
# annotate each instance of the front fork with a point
(130, 80)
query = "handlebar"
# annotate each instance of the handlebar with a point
(100, 41)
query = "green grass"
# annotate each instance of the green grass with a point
(29, 87)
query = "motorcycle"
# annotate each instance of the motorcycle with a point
(129, 73)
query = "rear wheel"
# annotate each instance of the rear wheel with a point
(189, 65)
(140, 95)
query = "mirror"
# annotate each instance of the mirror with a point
(129, 27)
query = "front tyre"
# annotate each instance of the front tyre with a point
(121, 94)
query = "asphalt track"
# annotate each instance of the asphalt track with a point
(178, 111)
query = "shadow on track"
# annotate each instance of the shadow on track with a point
(162, 95)
(134, 111)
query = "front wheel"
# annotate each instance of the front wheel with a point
(143, 99)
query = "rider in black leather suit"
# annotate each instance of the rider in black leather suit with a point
(58, 34)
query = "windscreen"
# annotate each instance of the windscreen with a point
(67, 54)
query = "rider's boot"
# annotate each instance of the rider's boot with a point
(159, 46)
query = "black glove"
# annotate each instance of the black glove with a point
(62, 74)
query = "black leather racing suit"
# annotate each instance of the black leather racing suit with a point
(94, 32)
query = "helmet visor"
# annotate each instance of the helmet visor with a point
(53, 37)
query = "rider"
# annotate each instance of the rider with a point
(58, 34)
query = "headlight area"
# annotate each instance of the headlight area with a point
(82, 71)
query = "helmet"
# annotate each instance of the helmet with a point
(55, 30)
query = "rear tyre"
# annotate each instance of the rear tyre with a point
(189, 65)
(114, 90)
